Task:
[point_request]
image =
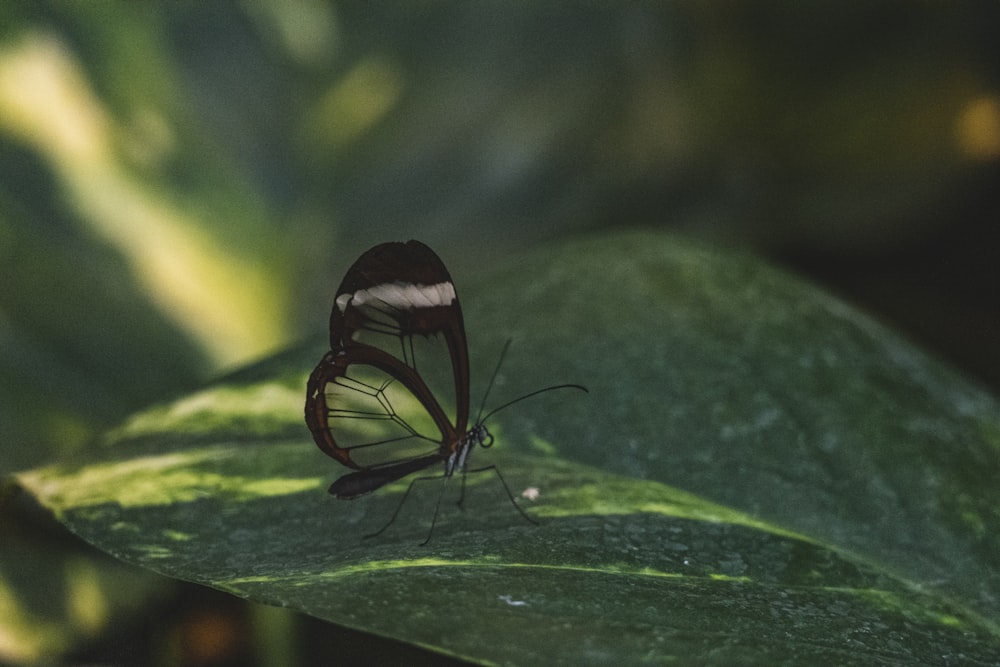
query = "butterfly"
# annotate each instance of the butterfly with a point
(368, 404)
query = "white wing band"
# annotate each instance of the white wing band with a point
(403, 296)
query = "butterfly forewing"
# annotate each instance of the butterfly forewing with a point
(394, 386)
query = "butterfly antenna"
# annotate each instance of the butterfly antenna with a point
(482, 406)
(529, 395)
(493, 379)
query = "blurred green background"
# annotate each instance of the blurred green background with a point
(183, 184)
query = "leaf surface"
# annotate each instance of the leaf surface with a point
(758, 474)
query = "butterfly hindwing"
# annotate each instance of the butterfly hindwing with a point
(364, 411)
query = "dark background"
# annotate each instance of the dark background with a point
(183, 184)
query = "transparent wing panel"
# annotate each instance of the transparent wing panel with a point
(378, 419)
(427, 355)
(381, 328)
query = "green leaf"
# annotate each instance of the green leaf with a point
(758, 474)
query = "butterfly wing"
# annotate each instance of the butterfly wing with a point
(367, 405)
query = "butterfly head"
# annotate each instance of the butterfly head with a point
(479, 435)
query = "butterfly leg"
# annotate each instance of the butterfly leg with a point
(399, 507)
(461, 495)
(506, 488)
(437, 507)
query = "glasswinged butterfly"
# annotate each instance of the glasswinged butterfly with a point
(369, 406)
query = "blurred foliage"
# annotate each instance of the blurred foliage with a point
(198, 167)
(55, 596)
(182, 184)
